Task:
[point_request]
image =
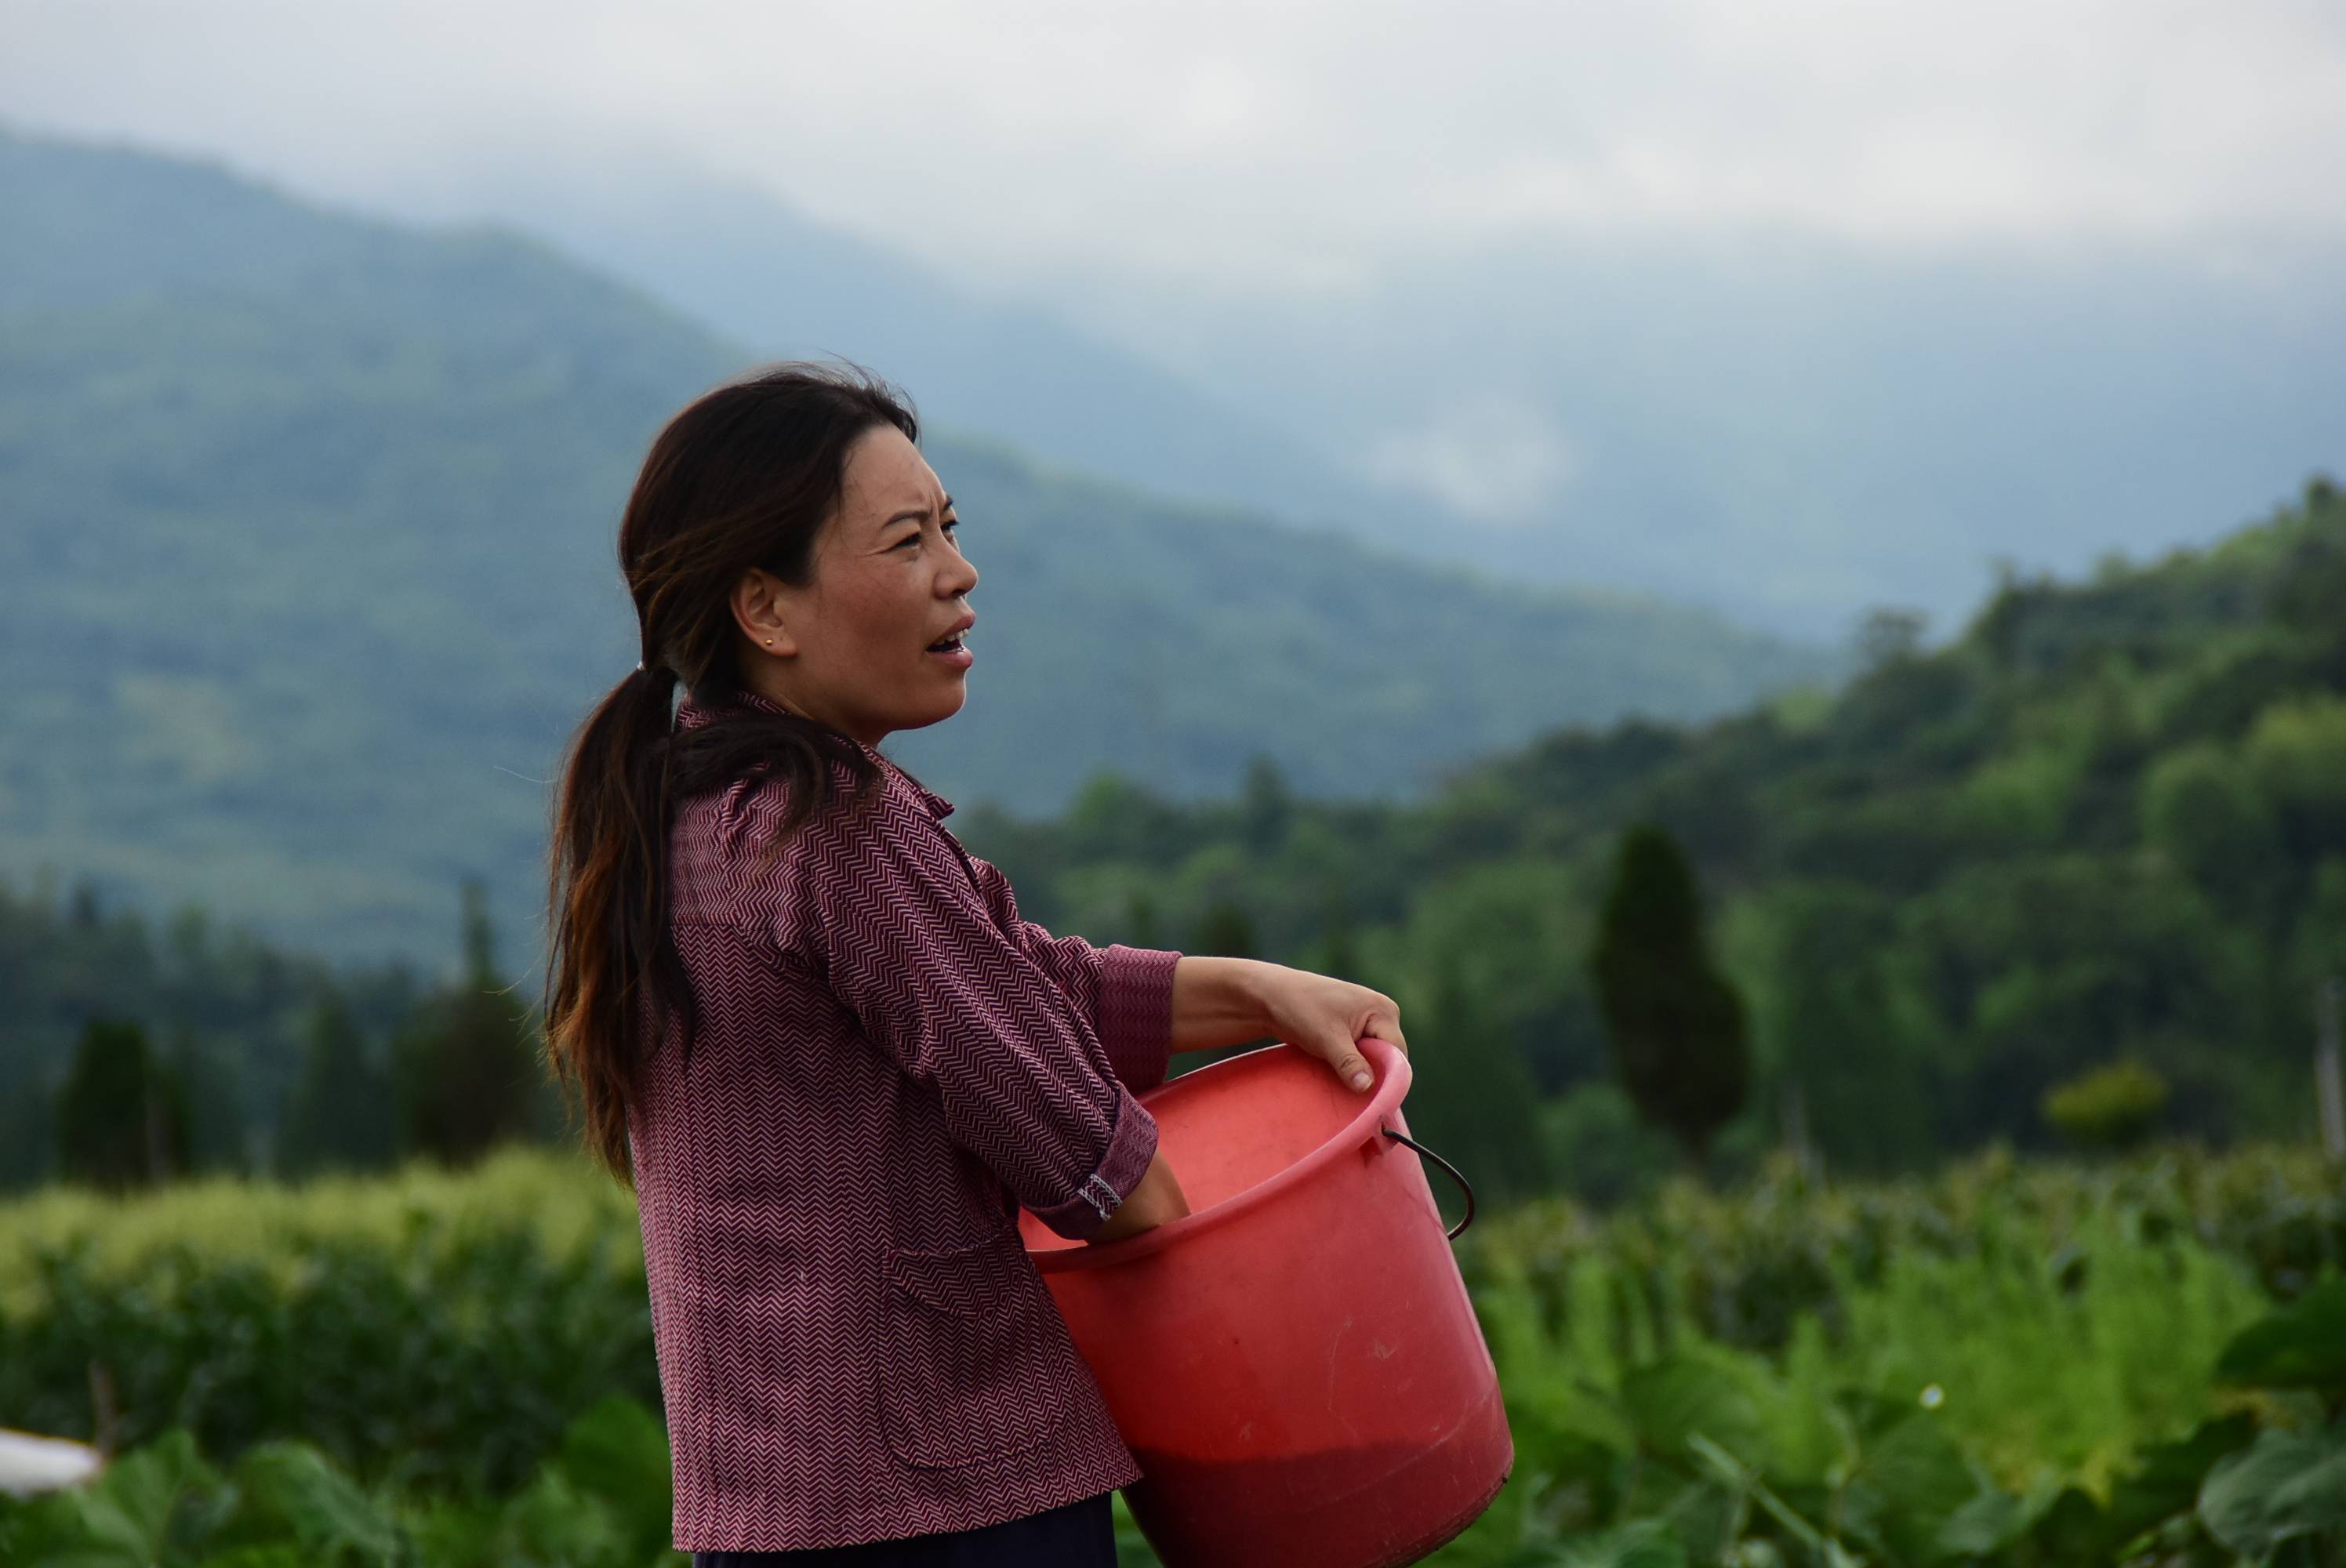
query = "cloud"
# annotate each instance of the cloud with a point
(1494, 459)
(1253, 146)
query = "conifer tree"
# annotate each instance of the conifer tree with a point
(339, 1113)
(1224, 932)
(1143, 922)
(28, 1118)
(207, 1080)
(467, 1069)
(121, 1122)
(1675, 1024)
(1266, 806)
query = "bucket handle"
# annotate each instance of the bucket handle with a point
(1469, 1217)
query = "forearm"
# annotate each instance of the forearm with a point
(1216, 1003)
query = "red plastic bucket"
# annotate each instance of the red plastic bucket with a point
(1295, 1364)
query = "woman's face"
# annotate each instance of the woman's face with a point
(850, 650)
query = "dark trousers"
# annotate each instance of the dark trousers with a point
(1075, 1535)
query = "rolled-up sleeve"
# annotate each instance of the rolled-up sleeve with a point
(913, 950)
(1125, 992)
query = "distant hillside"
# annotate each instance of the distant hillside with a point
(2108, 821)
(750, 269)
(1786, 429)
(307, 573)
(1792, 429)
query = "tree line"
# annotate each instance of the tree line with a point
(2077, 875)
(461, 1069)
(457, 1075)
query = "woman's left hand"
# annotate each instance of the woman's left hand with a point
(1328, 1018)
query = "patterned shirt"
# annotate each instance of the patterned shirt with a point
(889, 1063)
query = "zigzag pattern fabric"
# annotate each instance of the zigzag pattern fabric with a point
(854, 1344)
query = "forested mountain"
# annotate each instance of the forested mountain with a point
(2108, 823)
(306, 574)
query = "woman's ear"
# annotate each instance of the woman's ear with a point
(757, 604)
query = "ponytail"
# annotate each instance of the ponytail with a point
(607, 904)
(744, 477)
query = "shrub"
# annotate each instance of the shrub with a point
(2111, 1107)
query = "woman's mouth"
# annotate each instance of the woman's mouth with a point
(954, 651)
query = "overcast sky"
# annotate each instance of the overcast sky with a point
(1263, 146)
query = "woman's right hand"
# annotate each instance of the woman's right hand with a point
(1158, 1199)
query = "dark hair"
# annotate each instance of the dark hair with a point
(746, 475)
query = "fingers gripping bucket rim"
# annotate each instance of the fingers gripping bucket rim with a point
(1297, 1365)
(1381, 1104)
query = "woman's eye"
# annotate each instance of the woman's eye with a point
(915, 538)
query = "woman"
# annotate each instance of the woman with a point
(815, 1035)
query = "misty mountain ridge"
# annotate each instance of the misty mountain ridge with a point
(1786, 429)
(308, 573)
(1789, 429)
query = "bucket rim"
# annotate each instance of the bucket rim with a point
(1391, 1064)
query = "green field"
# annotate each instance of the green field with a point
(2011, 1362)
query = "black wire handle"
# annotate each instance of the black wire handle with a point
(1469, 1217)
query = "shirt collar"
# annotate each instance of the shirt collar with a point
(692, 715)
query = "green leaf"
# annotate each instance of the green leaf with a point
(2300, 1346)
(1729, 1473)
(1984, 1526)
(125, 1515)
(449, 1532)
(276, 1555)
(2286, 1484)
(1644, 1544)
(1908, 1483)
(52, 1530)
(551, 1521)
(1677, 1397)
(289, 1486)
(2074, 1530)
(1995, 1519)
(1865, 1416)
(1796, 1506)
(1582, 1476)
(1706, 1519)
(617, 1453)
(2169, 1479)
